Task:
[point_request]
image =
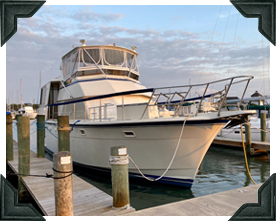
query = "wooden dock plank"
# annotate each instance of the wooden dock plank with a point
(87, 199)
(237, 143)
(218, 204)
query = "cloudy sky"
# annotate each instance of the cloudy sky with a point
(176, 44)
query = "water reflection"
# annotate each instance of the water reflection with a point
(225, 168)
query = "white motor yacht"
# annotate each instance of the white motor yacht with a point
(163, 128)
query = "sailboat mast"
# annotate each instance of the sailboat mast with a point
(21, 93)
(39, 86)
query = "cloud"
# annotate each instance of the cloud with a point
(88, 15)
(177, 18)
(169, 57)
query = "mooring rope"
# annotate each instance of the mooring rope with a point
(228, 132)
(33, 123)
(74, 125)
(33, 132)
(51, 132)
(257, 128)
(244, 152)
(46, 176)
(152, 179)
(40, 125)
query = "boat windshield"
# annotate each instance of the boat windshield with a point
(108, 60)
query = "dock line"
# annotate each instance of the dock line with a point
(46, 176)
(258, 128)
(169, 166)
(244, 152)
(74, 125)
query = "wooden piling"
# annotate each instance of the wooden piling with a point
(64, 186)
(17, 119)
(40, 136)
(9, 138)
(63, 133)
(263, 126)
(23, 154)
(119, 172)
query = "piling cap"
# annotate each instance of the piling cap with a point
(118, 151)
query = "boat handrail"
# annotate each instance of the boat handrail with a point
(211, 82)
(180, 103)
(157, 93)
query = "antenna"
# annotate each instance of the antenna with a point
(83, 41)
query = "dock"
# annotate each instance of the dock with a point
(87, 199)
(90, 201)
(237, 143)
(218, 204)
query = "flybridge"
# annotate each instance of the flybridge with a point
(100, 59)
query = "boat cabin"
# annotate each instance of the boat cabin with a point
(105, 60)
(90, 72)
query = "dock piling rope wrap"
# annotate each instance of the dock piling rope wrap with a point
(121, 160)
(40, 125)
(46, 176)
(169, 166)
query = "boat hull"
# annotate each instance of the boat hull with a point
(151, 146)
(235, 133)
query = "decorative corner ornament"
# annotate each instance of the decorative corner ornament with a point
(10, 209)
(264, 10)
(10, 10)
(264, 209)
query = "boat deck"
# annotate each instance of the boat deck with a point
(237, 143)
(87, 199)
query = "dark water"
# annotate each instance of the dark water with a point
(221, 169)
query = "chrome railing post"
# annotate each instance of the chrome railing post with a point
(243, 93)
(148, 104)
(202, 99)
(183, 99)
(156, 101)
(226, 92)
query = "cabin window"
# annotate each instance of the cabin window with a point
(114, 57)
(88, 61)
(129, 134)
(134, 76)
(53, 95)
(43, 96)
(130, 61)
(89, 55)
(82, 131)
(70, 64)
